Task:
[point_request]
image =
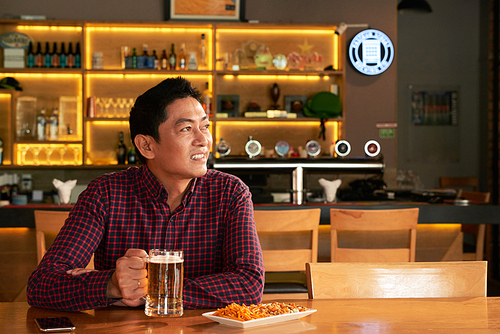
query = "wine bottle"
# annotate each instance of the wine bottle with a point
(156, 61)
(121, 153)
(78, 56)
(132, 156)
(63, 58)
(30, 58)
(182, 58)
(47, 56)
(41, 125)
(39, 55)
(134, 58)
(202, 54)
(164, 60)
(70, 58)
(206, 99)
(172, 59)
(54, 56)
(54, 124)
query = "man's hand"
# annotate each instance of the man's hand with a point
(129, 281)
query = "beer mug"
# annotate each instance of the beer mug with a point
(165, 282)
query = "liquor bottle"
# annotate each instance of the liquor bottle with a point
(78, 56)
(172, 58)
(156, 61)
(30, 58)
(202, 54)
(1, 151)
(54, 124)
(206, 99)
(39, 55)
(134, 58)
(132, 156)
(182, 58)
(41, 125)
(70, 58)
(164, 60)
(55, 56)
(63, 57)
(47, 56)
(121, 152)
(145, 50)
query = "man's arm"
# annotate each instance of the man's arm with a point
(242, 277)
(50, 286)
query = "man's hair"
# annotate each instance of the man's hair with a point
(150, 108)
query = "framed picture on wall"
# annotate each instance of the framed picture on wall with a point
(295, 104)
(228, 104)
(202, 10)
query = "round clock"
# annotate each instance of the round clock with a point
(372, 148)
(342, 148)
(252, 148)
(313, 148)
(282, 148)
(223, 148)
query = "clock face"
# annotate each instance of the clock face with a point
(371, 52)
(282, 148)
(223, 148)
(253, 148)
(342, 148)
(313, 148)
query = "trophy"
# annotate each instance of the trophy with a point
(275, 94)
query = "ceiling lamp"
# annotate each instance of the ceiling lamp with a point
(420, 6)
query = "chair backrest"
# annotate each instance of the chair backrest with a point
(479, 230)
(373, 220)
(474, 196)
(396, 280)
(50, 222)
(467, 182)
(278, 222)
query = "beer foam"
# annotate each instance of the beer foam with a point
(166, 259)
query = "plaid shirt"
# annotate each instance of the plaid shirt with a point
(214, 226)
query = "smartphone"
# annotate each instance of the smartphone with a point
(55, 324)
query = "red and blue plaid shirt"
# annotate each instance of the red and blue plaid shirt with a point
(214, 226)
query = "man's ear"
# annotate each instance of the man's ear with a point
(143, 144)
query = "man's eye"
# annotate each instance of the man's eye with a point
(187, 128)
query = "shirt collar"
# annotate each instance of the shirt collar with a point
(156, 188)
(152, 184)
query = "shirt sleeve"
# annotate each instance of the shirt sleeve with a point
(242, 278)
(49, 286)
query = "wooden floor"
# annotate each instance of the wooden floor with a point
(18, 254)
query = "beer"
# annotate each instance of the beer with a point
(165, 282)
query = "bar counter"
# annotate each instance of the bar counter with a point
(413, 315)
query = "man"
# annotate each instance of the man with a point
(171, 202)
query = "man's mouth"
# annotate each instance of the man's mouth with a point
(198, 156)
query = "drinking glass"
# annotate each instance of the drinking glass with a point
(165, 282)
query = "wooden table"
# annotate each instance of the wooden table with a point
(440, 315)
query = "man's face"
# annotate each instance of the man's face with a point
(185, 141)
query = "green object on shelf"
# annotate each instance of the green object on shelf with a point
(323, 105)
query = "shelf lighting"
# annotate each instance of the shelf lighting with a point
(267, 31)
(148, 31)
(313, 77)
(48, 151)
(50, 28)
(44, 75)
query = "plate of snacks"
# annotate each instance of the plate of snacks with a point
(256, 315)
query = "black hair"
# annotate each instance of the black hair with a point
(150, 108)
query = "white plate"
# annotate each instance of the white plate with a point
(258, 322)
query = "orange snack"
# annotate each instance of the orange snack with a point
(252, 312)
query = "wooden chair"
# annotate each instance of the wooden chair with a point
(396, 280)
(465, 182)
(289, 239)
(479, 230)
(48, 223)
(373, 220)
